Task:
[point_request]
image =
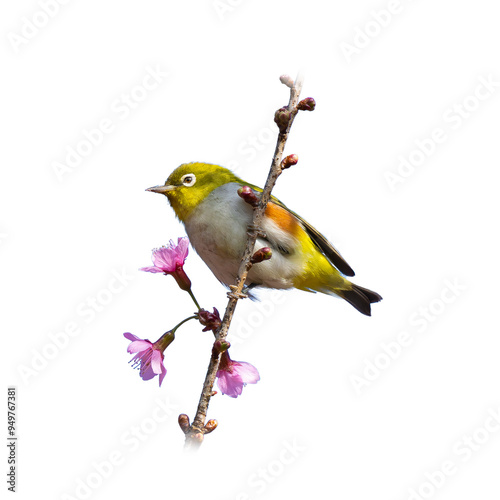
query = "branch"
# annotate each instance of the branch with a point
(284, 118)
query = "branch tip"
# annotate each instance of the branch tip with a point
(286, 80)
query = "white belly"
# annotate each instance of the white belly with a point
(217, 230)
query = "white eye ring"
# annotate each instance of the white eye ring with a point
(188, 179)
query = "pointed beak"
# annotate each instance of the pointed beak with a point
(161, 189)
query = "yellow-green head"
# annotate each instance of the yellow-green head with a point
(189, 184)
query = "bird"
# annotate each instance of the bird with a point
(205, 199)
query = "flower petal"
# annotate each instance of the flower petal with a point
(147, 373)
(162, 374)
(156, 361)
(151, 269)
(130, 336)
(139, 346)
(248, 373)
(230, 384)
(163, 258)
(183, 248)
(222, 381)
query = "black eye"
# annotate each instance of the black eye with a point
(188, 179)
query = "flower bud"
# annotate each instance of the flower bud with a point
(282, 119)
(184, 423)
(289, 161)
(286, 80)
(210, 426)
(307, 104)
(220, 346)
(265, 253)
(248, 194)
(211, 321)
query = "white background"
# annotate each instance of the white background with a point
(63, 237)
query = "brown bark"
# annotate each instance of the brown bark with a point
(196, 431)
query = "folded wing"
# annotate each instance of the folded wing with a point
(328, 250)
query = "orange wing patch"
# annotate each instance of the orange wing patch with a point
(283, 219)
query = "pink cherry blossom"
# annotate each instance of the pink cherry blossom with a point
(167, 259)
(148, 356)
(232, 376)
(170, 260)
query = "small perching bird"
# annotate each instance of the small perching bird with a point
(205, 199)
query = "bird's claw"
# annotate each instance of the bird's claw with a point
(234, 294)
(251, 230)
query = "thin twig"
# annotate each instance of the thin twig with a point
(195, 432)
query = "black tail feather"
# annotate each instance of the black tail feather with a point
(360, 298)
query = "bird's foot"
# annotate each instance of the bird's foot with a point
(234, 294)
(251, 230)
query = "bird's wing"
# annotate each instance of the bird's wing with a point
(328, 250)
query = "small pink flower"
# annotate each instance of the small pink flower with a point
(148, 356)
(232, 376)
(170, 260)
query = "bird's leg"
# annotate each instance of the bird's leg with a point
(247, 288)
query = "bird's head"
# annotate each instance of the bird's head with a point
(189, 184)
